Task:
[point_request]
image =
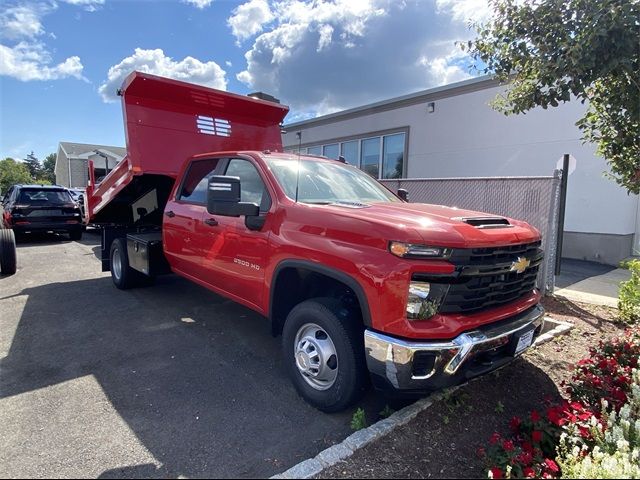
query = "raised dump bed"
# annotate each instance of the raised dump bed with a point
(167, 122)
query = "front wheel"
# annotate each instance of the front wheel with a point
(323, 350)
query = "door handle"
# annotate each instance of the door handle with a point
(211, 222)
(170, 214)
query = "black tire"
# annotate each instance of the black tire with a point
(123, 277)
(76, 235)
(8, 255)
(345, 331)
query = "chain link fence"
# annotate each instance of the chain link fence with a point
(536, 200)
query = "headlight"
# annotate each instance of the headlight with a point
(424, 299)
(412, 250)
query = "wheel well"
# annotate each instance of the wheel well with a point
(295, 284)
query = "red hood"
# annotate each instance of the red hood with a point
(437, 225)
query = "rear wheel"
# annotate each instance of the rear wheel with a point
(123, 276)
(324, 354)
(8, 256)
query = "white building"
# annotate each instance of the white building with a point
(72, 162)
(452, 131)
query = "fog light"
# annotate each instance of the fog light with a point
(424, 299)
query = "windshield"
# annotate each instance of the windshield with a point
(327, 182)
(43, 197)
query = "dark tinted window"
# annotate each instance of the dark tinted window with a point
(33, 196)
(252, 188)
(194, 187)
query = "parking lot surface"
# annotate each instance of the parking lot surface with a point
(164, 381)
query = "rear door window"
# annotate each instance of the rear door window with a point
(35, 197)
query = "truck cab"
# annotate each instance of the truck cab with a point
(362, 285)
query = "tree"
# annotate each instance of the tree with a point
(550, 50)
(12, 172)
(33, 164)
(48, 172)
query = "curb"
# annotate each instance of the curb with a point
(355, 441)
(332, 455)
(560, 329)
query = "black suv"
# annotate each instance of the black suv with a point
(42, 208)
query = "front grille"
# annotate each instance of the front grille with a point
(483, 292)
(483, 278)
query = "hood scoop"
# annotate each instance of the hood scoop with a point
(486, 222)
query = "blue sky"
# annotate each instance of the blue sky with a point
(62, 60)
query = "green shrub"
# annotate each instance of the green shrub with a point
(629, 297)
(359, 420)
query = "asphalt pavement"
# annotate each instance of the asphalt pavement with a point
(163, 381)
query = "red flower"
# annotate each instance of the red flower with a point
(514, 424)
(535, 416)
(554, 415)
(551, 465)
(527, 447)
(496, 473)
(495, 438)
(507, 445)
(529, 473)
(584, 432)
(536, 436)
(525, 458)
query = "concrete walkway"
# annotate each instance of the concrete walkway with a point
(599, 289)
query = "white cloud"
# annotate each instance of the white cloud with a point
(319, 56)
(249, 18)
(23, 21)
(198, 3)
(444, 70)
(31, 61)
(465, 10)
(157, 63)
(23, 55)
(89, 5)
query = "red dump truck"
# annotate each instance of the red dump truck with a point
(362, 285)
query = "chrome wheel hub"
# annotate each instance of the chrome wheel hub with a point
(316, 356)
(116, 263)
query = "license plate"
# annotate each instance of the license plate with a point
(45, 213)
(524, 342)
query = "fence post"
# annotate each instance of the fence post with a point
(563, 203)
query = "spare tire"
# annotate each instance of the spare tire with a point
(8, 257)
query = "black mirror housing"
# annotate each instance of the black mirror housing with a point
(403, 194)
(223, 198)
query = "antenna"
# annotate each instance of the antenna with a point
(299, 135)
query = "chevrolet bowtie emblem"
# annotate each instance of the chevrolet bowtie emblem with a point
(520, 265)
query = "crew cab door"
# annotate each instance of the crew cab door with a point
(235, 259)
(183, 218)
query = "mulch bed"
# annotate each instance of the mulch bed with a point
(443, 440)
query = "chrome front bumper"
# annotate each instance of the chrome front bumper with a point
(391, 360)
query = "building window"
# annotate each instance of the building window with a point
(331, 151)
(370, 156)
(393, 156)
(350, 152)
(381, 157)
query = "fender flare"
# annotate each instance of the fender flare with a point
(338, 275)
